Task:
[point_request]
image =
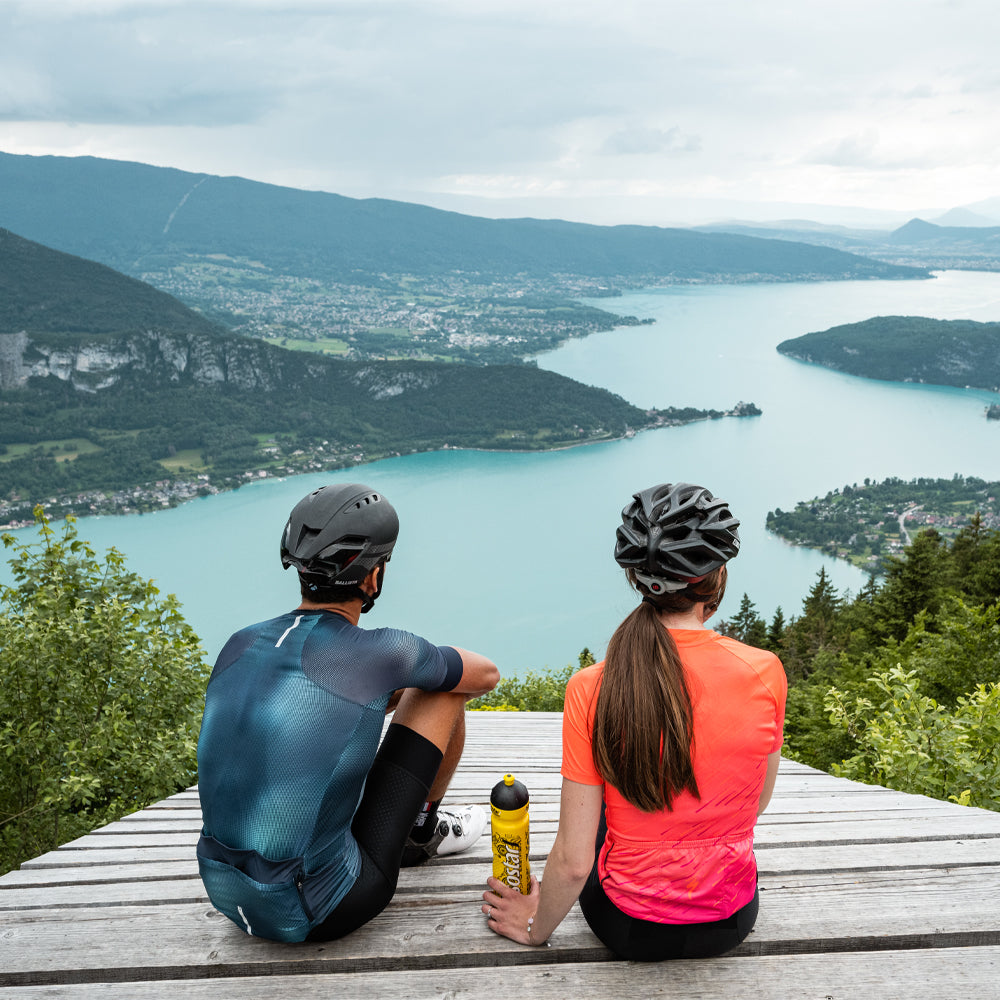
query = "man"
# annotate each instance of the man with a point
(305, 825)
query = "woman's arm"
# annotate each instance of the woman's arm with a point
(773, 759)
(566, 871)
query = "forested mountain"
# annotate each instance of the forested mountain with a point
(907, 349)
(44, 291)
(139, 218)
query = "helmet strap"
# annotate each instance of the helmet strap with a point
(368, 600)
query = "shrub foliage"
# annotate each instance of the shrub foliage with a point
(101, 695)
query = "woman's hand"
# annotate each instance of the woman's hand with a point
(508, 911)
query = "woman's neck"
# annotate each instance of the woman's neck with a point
(693, 619)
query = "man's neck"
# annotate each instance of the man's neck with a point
(351, 610)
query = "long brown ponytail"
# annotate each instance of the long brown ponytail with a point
(643, 732)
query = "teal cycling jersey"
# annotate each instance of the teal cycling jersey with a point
(293, 716)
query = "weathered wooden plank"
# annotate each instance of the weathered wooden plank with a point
(71, 859)
(875, 829)
(151, 892)
(872, 827)
(103, 885)
(911, 909)
(931, 974)
(23, 878)
(179, 882)
(781, 804)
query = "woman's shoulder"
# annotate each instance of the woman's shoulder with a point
(582, 687)
(762, 661)
(586, 678)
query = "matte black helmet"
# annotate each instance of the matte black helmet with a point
(338, 534)
(674, 534)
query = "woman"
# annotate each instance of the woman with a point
(670, 752)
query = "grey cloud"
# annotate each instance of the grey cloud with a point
(849, 151)
(635, 141)
(411, 93)
(864, 151)
(195, 108)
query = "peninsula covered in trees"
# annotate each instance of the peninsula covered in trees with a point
(960, 353)
(871, 523)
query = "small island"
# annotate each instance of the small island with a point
(960, 353)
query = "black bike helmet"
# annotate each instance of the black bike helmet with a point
(337, 535)
(674, 534)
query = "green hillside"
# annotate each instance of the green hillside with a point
(45, 291)
(907, 349)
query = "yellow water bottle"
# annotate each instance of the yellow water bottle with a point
(509, 829)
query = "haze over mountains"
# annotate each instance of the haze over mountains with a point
(960, 239)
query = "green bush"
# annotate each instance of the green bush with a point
(909, 742)
(536, 691)
(101, 695)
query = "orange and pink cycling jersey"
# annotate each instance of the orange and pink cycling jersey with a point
(693, 863)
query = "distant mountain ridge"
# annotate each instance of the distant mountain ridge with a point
(974, 245)
(135, 217)
(919, 231)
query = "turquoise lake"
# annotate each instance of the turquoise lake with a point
(510, 554)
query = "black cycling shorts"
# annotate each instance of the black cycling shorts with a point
(401, 776)
(647, 941)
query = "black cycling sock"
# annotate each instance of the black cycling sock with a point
(423, 825)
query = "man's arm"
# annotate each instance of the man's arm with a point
(479, 674)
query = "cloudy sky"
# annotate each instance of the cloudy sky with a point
(653, 111)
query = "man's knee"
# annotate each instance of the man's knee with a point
(435, 715)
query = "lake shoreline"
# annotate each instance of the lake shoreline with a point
(148, 498)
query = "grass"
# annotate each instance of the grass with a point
(325, 345)
(188, 458)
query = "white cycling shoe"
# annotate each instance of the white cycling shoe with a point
(455, 830)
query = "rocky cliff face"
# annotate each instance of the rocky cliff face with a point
(94, 364)
(12, 370)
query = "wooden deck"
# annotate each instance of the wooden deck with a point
(865, 892)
